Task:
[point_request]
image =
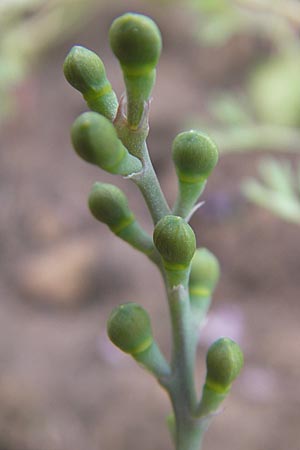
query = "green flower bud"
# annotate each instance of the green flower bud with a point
(129, 328)
(136, 41)
(204, 274)
(224, 361)
(175, 240)
(195, 155)
(110, 205)
(85, 71)
(95, 140)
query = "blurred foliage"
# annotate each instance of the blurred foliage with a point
(220, 20)
(266, 115)
(27, 29)
(279, 190)
(272, 90)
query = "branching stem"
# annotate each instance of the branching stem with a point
(150, 188)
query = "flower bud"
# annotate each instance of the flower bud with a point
(129, 328)
(194, 155)
(224, 361)
(85, 71)
(175, 240)
(205, 272)
(95, 140)
(136, 41)
(109, 205)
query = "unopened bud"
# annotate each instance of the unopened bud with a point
(109, 205)
(224, 361)
(129, 328)
(195, 155)
(85, 71)
(175, 240)
(95, 140)
(136, 41)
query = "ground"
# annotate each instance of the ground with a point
(63, 386)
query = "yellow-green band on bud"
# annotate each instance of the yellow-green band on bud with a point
(175, 241)
(95, 140)
(194, 155)
(136, 42)
(129, 328)
(85, 71)
(224, 361)
(205, 272)
(109, 205)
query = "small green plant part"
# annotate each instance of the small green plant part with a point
(113, 136)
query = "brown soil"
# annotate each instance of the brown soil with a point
(62, 385)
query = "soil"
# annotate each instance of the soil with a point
(63, 386)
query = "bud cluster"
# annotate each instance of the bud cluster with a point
(115, 140)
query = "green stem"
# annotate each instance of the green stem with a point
(154, 361)
(210, 402)
(182, 357)
(137, 237)
(189, 436)
(138, 91)
(199, 308)
(147, 182)
(188, 194)
(182, 387)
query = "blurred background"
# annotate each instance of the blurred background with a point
(230, 68)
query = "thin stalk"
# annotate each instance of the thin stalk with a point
(182, 358)
(182, 391)
(134, 140)
(188, 194)
(138, 238)
(199, 310)
(138, 91)
(154, 361)
(150, 188)
(189, 436)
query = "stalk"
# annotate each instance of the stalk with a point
(150, 188)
